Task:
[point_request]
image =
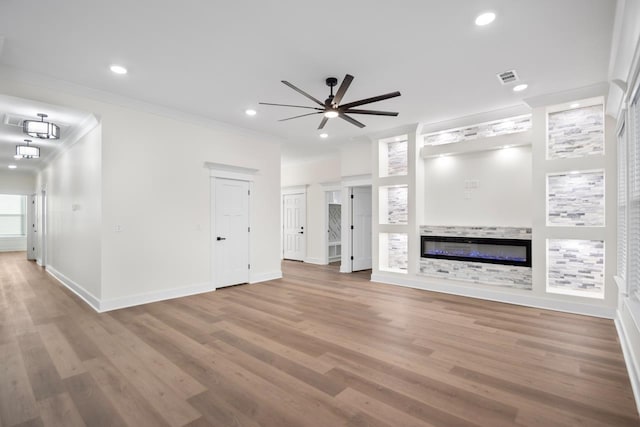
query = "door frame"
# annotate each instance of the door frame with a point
(226, 171)
(348, 183)
(284, 191)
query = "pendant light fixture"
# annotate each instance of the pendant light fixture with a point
(27, 151)
(41, 129)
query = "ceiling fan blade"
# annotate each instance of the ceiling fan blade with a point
(370, 100)
(302, 115)
(351, 120)
(289, 105)
(372, 112)
(343, 88)
(301, 92)
(323, 122)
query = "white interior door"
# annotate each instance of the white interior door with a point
(231, 231)
(361, 228)
(294, 211)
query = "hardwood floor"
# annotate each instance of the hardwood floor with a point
(316, 348)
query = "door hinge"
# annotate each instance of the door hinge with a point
(352, 196)
(248, 192)
(249, 229)
(352, 227)
(249, 266)
(351, 258)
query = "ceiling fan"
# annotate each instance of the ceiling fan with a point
(331, 107)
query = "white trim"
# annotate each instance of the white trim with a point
(517, 139)
(316, 261)
(571, 95)
(148, 297)
(87, 125)
(226, 171)
(82, 293)
(294, 189)
(331, 185)
(356, 180)
(473, 119)
(265, 277)
(517, 299)
(631, 362)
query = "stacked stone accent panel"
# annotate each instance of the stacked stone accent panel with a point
(482, 130)
(575, 267)
(576, 199)
(505, 276)
(490, 232)
(576, 133)
(397, 158)
(396, 252)
(396, 210)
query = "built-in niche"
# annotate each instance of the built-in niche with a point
(576, 198)
(393, 159)
(575, 267)
(393, 201)
(575, 132)
(393, 252)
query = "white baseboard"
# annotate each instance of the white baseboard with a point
(264, 277)
(85, 295)
(487, 294)
(148, 297)
(317, 261)
(623, 325)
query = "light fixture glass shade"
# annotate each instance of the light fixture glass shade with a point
(331, 114)
(41, 129)
(27, 152)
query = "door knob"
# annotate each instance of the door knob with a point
(300, 232)
(221, 238)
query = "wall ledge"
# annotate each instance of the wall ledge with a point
(491, 295)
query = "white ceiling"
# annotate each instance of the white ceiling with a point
(19, 109)
(219, 58)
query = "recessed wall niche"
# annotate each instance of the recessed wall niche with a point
(576, 199)
(393, 204)
(576, 132)
(575, 267)
(393, 252)
(393, 156)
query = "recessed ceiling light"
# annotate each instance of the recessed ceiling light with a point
(574, 105)
(118, 69)
(520, 88)
(485, 19)
(506, 146)
(12, 166)
(17, 156)
(331, 114)
(324, 135)
(250, 112)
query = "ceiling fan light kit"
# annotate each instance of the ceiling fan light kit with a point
(331, 107)
(41, 129)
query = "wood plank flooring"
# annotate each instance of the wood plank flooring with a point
(316, 348)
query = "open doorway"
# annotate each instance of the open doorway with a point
(333, 221)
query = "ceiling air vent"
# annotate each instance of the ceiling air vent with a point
(12, 120)
(507, 77)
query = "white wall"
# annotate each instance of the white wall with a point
(73, 183)
(504, 193)
(17, 182)
(154, 186)
(355, 159)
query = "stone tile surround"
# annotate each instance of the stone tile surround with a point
(575, 133)
(481, 130)
(397, 205)
(576, 267)
(506, 276)
(576, 199)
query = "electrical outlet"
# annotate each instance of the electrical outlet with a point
(117, 228)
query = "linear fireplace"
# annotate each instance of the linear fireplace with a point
(478, 249)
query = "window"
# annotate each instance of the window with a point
(13, 210)
(633, 198)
